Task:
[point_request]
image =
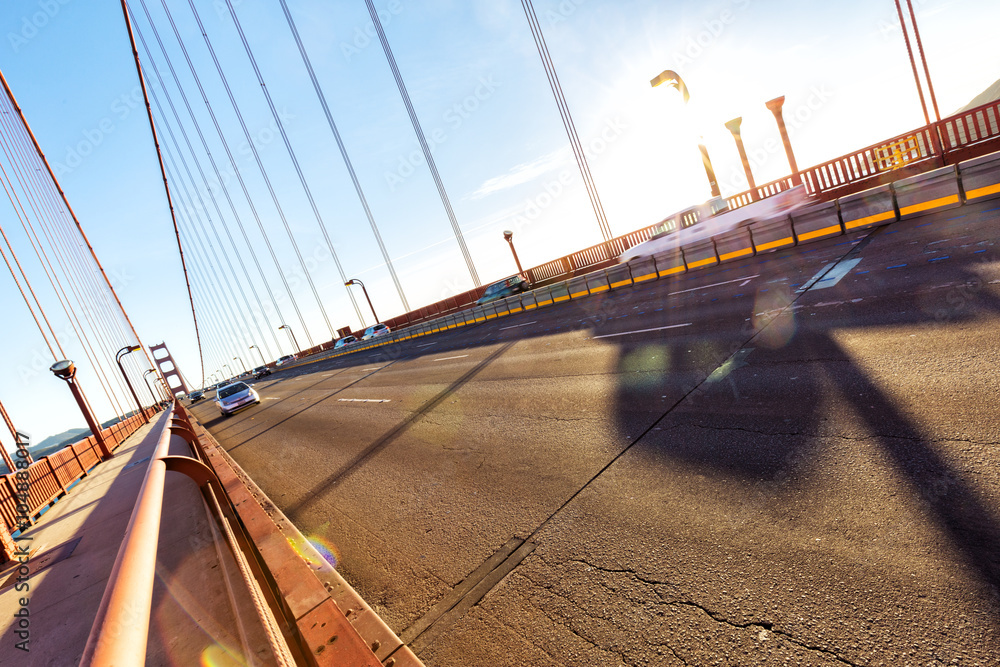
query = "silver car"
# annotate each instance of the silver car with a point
(235, 396)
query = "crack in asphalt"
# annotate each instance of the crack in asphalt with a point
(714, 615)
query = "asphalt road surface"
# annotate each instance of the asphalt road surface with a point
(790, 459)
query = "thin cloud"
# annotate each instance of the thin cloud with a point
(523, 173)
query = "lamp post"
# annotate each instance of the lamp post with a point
(355, 281)
(240, 359)
(674, 79)
(145, 376)
(734, 127)
(509, 236)
(262, 362)
(118, 358)
(66, 370)
(292, 335)
(775, 108)
(230, 376)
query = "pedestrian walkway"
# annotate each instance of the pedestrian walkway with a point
(72, 549)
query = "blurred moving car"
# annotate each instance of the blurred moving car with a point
(346, 340)
(504, 288)
(287, 359)
(375, 331)
(197, 395)
(260, 372)
(235, 396)
(714, 217)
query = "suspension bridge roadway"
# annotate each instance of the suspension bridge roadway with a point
(788, 459)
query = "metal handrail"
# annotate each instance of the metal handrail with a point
(118, 635)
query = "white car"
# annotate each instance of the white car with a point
(375, 331)
(235, 396)
(712, 218)
(287, 359)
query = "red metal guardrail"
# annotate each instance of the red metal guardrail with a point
(51, 476)
(959, 137)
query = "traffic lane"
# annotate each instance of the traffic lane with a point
(280, 395)
(525, 446)
(790, 490)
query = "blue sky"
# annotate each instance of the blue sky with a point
(479, 89)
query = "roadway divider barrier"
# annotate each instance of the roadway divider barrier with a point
(981, 177)
(495, 309)
(734, 244)
(772, 235)
(701, 253)
(514, 304)
(868, 209)
(620, 275)
(928, 192)
(577, 287)
(644, 268)
(543, 296)
(669, 262)
(560, 292)
(477, 314)
(817, 222)
(597, 281)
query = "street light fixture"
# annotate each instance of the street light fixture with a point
(145, 376)
(674, 80)
(292, 334)
(230, 376)
(118, 358)
(509, 235)
(355, 281)
(66, 370)
(254, 347)
(240, 359)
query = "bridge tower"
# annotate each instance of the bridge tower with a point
(168, 369)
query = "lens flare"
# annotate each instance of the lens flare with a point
(328, 550)
(217, 656)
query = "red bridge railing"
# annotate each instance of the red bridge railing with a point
(959, 137)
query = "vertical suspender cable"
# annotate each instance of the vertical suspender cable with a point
(428, 158)
(216, 170)
(263, 174)
(298, 169)
(166, 186)
(567, 119)
(343, 153)
(70, 212)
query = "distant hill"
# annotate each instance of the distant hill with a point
(990, 94)
(59, 439)
(54, 443)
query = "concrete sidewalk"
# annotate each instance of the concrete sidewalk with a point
(72, 551)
